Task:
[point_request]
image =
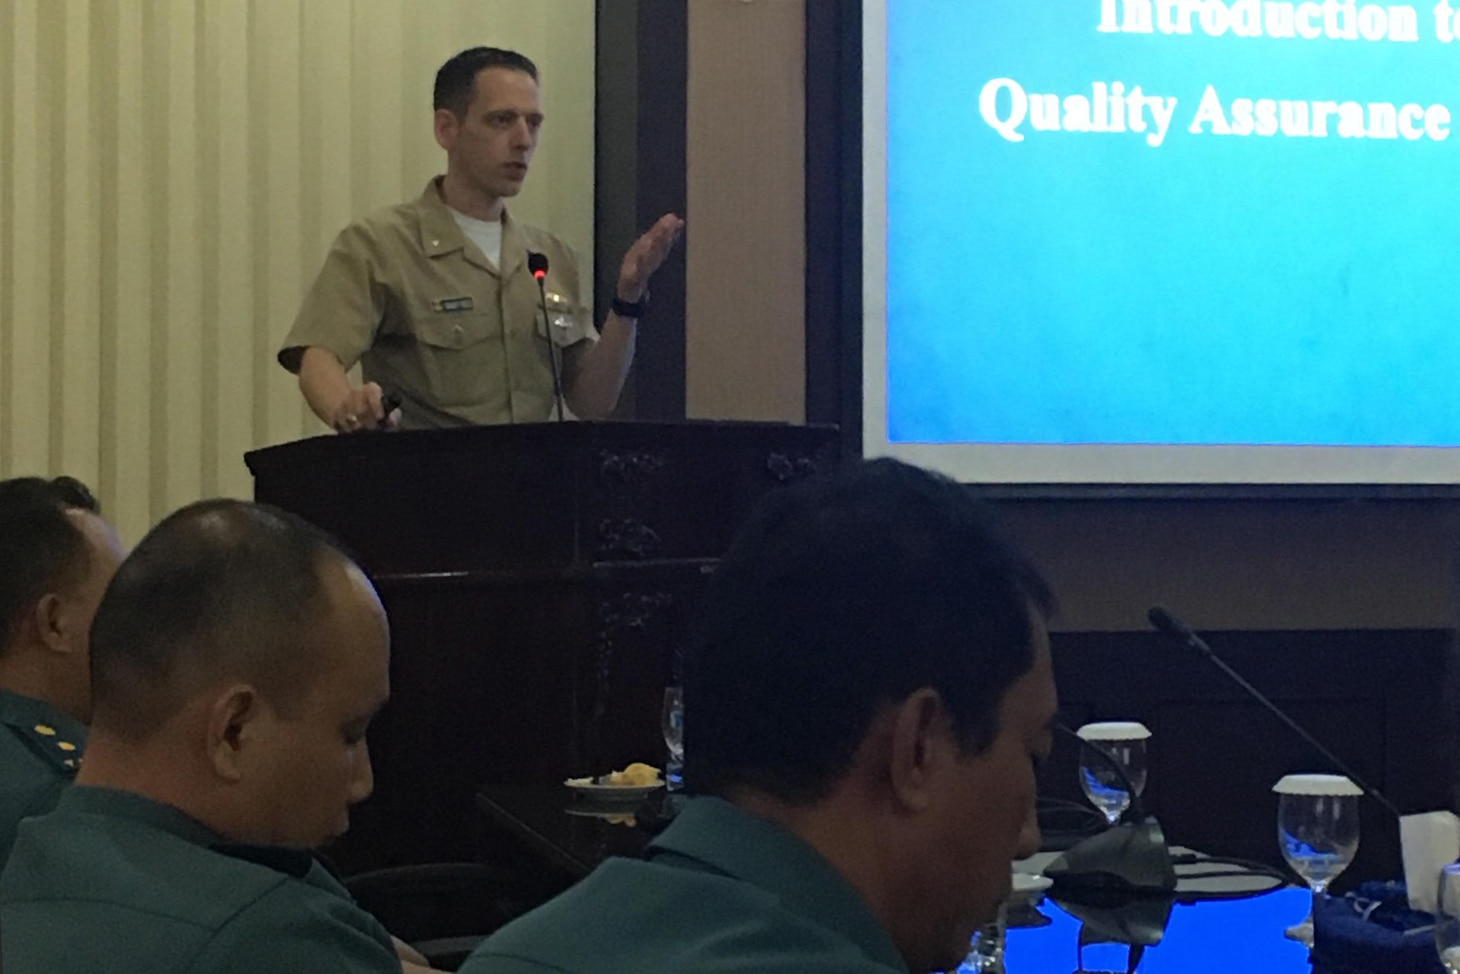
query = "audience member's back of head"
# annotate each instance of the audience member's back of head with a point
(237, 657)
(41, 547)
(220, 589)
(56, 556)
(842, 594)
(868, 694)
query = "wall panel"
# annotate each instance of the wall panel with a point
(745, 160)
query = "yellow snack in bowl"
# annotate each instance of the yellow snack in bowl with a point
(637, 774)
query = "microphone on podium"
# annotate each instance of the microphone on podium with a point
(537, 265)
(1173, 627)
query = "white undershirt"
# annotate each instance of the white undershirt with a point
(487, 236)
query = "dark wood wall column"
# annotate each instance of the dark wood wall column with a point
(834, 218)
(639, 174)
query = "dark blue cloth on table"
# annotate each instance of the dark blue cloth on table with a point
(1372, 930)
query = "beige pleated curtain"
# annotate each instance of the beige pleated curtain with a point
(171, 174)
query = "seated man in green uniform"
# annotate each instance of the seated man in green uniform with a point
(237, 659)
(56, 556)
(436, 300)
(866, 701)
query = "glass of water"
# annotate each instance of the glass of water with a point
(986, 952)
(1121, 742)
(1447, 918)
(1318, 830)
(671, 722)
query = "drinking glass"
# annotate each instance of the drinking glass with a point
(1123, 742)
(986, 952)
(1447, 918)
(671, 722)
(1318, 830)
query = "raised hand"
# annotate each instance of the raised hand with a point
(646, 255)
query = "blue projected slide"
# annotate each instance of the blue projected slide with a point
(1175, 222)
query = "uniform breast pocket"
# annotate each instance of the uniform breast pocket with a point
(459, 355)
(455, 330)
(567, 322)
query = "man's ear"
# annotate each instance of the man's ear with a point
(50, 620)
(447, 127)
(922, 743)
(237, 721)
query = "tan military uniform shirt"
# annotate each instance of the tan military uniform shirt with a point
(430, 318)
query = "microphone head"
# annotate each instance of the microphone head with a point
(537, 263)
(1167, 623)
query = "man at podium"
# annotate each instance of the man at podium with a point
(462, 313)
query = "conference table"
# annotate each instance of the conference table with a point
(1210, 935)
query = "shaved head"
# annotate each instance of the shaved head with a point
(221, 590)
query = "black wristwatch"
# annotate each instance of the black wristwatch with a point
(630, 309)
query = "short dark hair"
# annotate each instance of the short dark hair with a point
(456, 79)
(219, 589)
(41, 549)
(842, 594)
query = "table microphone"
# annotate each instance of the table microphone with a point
(1171, 626)
(537, 264)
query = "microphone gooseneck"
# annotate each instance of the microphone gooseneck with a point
(1169, 625)
(537, 265)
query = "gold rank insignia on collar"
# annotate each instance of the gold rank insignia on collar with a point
(65, 753)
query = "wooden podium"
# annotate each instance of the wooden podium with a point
(539, 581)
